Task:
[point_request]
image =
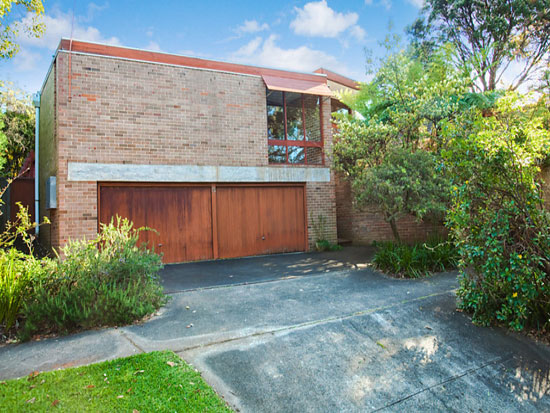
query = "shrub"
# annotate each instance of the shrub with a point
(16, 270)
(111, 280)
(498, 218)
(415, 261)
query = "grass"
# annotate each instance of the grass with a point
(152, 382)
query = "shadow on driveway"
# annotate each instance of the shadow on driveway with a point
(195, 275)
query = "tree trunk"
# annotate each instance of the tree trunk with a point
(394, 230)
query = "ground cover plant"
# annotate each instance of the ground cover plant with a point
(153, 382)
(417, 260)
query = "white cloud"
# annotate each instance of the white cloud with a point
(153, 46)
(268, 53)
(249, 48)
(417, 3)
(251, 26)
(58, 25)
(358, 32)
(318, 19)
(26, 60)
(92, 10)
(388, 3)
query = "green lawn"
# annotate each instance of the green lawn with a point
(153, 382)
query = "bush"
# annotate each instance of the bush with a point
(111, 280)
(16, 270)
(415, 261)
(498, 218)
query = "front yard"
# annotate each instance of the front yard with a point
(153, 382)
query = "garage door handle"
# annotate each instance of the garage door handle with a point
(263, 238)
(160, 245)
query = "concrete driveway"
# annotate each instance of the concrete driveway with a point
(320, 332)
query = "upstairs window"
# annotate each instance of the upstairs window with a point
(294, 130)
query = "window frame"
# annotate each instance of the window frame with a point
(303, 143)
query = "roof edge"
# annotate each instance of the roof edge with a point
(102, 49)
(338, 78)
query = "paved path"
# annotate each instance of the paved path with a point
(320, 333)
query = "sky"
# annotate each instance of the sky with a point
(293, 35)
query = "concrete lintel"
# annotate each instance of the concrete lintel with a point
(80, 171)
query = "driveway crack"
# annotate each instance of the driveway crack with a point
(132, 342)
(447, 380)
(316, 322)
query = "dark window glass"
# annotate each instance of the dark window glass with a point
(294, 119)
(312, 118)
(275, 115)
(296, 154)
(277, 154)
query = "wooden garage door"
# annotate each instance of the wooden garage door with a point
(253, 220)
(214, 221)
(181, 215)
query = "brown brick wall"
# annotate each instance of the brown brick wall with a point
(122, 111)
(47, 155)
(365, 226)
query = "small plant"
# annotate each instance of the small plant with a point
(111, 280)
(319, 230)
(415, 261)
(324, 245)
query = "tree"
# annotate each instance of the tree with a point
(10, 28)
(489, 36)
(17, 120)
(388, 154)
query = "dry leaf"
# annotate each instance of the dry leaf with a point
(31, 400)
(129, 390)
(171, 363)
(90, 386)
(55, 402)
(33, 375)
(139, 372)
(135, 411)
(120, 396)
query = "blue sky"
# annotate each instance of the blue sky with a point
(294, 35)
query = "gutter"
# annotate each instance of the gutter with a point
(36, 102)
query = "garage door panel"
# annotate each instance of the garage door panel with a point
(238, 221)
(260, 220)
(181, 217)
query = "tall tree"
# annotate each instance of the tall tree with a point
(388, 154)
(11, 26)
(491, 37)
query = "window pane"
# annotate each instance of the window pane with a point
(294, 120)
(296, 154)
(314, 156)
(277, 154)
(313, 120)
(275, 115)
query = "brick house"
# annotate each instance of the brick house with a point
(223, 160)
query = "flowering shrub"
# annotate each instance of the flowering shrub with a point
(111, 280)
(498, 218)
